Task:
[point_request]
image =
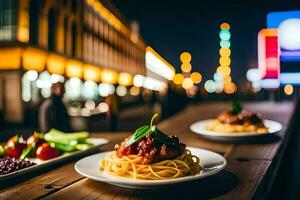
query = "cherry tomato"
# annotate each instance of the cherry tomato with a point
(35, 138)
(46, 152)
(15, 146)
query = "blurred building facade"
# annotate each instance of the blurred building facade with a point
(79, 42)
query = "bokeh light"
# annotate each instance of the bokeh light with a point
(288, 89)
(210, 86)
(224, 70)
(224, 35)
(218, 77)
(178, 78)
(225, 26)
(225, 61)
(225, 52)
(134, 91)
(227, 79)
(230, 88)
(225, 43)
(185, 57)
(196, 77)
(187, 83)
(186, 67)
(121, 90)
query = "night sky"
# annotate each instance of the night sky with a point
(173, 26)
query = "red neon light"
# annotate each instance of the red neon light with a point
(268, 54)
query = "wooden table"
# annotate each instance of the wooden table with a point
(249, 174)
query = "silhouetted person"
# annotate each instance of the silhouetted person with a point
(114, 103)
(53, 113)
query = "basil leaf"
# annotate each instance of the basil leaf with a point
(141, 132)
(236, 107)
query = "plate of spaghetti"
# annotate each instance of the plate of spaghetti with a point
(148, 159)
(236, 123)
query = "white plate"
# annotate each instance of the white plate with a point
(200, 128)
(89, 167)
(97, 142)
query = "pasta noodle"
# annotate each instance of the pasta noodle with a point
(131, 166)
(216, 125)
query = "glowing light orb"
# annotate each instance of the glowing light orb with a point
(178, 78)
(224, 61)
(210, 86)
(288, 89)
(185, 57)
(225, 26)
(225, 52)
(289, 34)
(186, 67)
(224, 35)
(187, 83)
(225, 43)
(196, 77)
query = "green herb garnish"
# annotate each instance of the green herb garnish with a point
(236, 107)
(143, 131)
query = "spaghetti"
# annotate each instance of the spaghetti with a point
(131, 166)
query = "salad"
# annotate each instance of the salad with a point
(15, 153)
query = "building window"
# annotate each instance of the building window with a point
(8, 19)
(74, 41)
(74, 6)
(65, 34)
(52, 22)
(34, 22)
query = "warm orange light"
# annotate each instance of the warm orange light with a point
(109, 76)
(125, 79)
(56, 64)
(34, 59)
(288, 89)
(225, 26)
(187, 83)
(10, 58)
(224, 70)
(91, 73)
(227, 79)
(185, 57)
(196, 77)
(230, 88)
(225, 52)
(178, 78)
(224, 61)
(186, 67)
(74, 69)
(23, 22)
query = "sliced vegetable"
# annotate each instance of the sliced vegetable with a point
(2, 151)
(30, 148)
(57, 136)
(64, 147)
(82, 147)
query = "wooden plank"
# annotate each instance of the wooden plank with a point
(248, 180)
(239, 184)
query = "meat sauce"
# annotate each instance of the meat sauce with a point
(241, 118)
(151, 149)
